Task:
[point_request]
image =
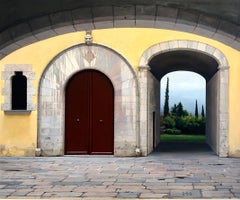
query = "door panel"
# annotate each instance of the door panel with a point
(77, 115)
(102, 115)
(89, 114)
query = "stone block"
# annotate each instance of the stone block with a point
(2, 55)
(183, 44)
(9, 48)
(154, 195)
(173, 44)
(82, 16)
(5, 107)
(164, 46)
(65, 29)
(102, 13)
(45, 34)
(192, 45)
(186, 193)
(236, 44)
(26, 41)
(147, 23)
(145, 12)
(17, 67)
(5, 39)
(209, 49)
(153, 51)
(204, 31)
(103, 24)
(124, 16)
(145, 16)
(31, 106)
(20, 31)
(7, 76)
(21, 192)
(229, 29)
(40, 24)
(60, 19)
(223, 37)
(30, 76)
(218, 55)
(128, 195)
(143, 61)
(164, 24)
(166, 14)
(5, 92)
(179, 26)
(217, 194)
(208, 23)
(202, 47)
(84, 26)
(188, 18)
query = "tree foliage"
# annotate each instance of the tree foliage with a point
(196, 109)
(180, 121)
(203, 113)
(177, 110)
(166, 102)
(169, 122)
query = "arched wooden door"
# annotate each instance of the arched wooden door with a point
(89, 116)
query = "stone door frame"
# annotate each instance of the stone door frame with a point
(51, 109)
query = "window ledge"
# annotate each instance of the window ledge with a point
(17, 112)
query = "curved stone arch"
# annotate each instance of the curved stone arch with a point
(155, 16)
(51, 109)
(222, 83)
(184, 45)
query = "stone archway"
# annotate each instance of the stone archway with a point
(51, 112)
(217, 126)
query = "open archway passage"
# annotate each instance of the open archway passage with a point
(204, 65)
(89, 114)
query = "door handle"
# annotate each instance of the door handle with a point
(78, 120)
(100, 120)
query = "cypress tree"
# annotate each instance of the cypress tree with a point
(202, 113)
(179, 109)
(166, 102)
(196, 109)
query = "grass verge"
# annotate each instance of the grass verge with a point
(182, 138)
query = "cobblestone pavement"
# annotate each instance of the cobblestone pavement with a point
(160, 175)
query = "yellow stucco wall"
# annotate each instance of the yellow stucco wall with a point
(18, 133)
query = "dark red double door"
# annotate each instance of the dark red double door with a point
(89, 116)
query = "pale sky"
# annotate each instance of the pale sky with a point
(185, 87)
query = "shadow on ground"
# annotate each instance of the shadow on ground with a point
(182, 147)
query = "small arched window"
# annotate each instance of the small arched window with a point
(19, 91)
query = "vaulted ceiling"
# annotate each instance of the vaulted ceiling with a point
(183, 60)
(23, 22)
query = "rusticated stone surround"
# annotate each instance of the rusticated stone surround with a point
(52, 97)
(217, 134)
(7, 74)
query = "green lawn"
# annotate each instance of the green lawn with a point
(182, 138)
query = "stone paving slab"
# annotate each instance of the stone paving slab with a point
(160, 175)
